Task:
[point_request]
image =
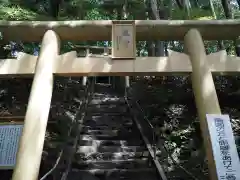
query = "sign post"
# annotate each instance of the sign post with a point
(124, 42)
(224, 148)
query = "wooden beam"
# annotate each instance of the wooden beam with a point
(204, 92)
(24, 64)
(94, 66)
(35, 123)
(90, 47)
(175, 63)
(101, 29)
(69, 65)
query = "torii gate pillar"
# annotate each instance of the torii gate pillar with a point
(204, 91)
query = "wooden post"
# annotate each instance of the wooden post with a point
(124, 42)
(84, 79)
(127, 81)
(35, 123)
(204, 91)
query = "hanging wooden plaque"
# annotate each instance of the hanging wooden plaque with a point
(123, 40)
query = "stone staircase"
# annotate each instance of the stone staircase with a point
(110, 145)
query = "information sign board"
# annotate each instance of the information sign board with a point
(123, 37)
(9, 138)
(224, 147)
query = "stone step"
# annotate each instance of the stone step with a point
(80, 156)
(106, 127)
(107, 101)
(106, 90)
(106, 110)
(100, 132)
(93, 142)
(107, 118)
(109, 132)
(103, 88)
(109, 123)
(107, 106)
(100, 149)
(111, 156)
(108, 113)
(113, 131)
(105, 97)
(114, 174)
(110, 104)
(110, 137)
(110, 164)
(111, 142)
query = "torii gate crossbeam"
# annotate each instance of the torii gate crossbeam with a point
(145, 29)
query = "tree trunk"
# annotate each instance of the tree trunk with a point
(226, 8)
(220, 43)
(119, 13)
(187, 7)
(212, 9)
(54, 8)
(238, 2)
(159, 45)
(195, 3)
(237, 47)
(228, 13)
(180, 4)
(150, 47)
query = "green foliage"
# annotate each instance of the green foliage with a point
(196, 13)
(94, 14)
(237, 15)
(9, 12)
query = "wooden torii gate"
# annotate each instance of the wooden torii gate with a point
(195, 61)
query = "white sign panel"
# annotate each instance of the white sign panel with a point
(9, 138)
(224, 147)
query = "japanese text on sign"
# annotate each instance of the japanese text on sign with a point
(224, 148)
(9, 138)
